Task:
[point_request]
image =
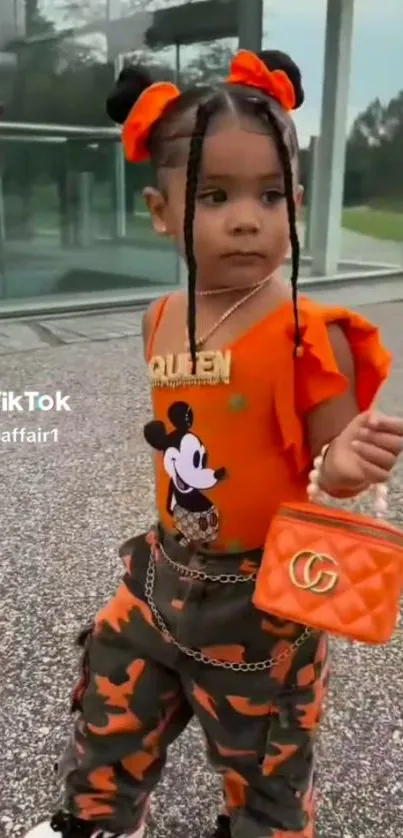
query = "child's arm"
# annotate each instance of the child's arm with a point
(329, 419)
(364, 446)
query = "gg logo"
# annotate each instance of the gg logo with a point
(309, 572)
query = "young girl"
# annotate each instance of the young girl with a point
(249, 384)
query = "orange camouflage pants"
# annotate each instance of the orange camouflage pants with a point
(138, 691)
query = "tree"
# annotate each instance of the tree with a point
(374, 160)
(211, 64)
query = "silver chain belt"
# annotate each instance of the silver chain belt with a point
(224, 578)
(258, 666)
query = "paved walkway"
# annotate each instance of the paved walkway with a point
(356, 246)
(22, 336)
(66, 506)
(33, 333)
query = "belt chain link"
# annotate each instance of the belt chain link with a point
(200, 575)
(258, 666)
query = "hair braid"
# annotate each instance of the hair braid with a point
(292, 218)
(192, 180)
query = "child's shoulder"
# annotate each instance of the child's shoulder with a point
(153, 315)
(340, 344)
(338, 321)
(340, 350)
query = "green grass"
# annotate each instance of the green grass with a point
(377, 223)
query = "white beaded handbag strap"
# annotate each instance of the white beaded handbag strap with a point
(315, 493)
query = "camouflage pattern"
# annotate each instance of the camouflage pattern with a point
(137, 692)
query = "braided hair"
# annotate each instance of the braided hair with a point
(180, 121)
(284, 156)
(192, 179)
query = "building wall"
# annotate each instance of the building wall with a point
(73, 223)
(12, 20)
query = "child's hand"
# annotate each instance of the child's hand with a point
(365, 452)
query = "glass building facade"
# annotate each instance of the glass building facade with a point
(73, 225)
(74, 231)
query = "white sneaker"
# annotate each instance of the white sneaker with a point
(43, 830)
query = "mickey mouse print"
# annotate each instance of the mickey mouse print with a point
(186, 462)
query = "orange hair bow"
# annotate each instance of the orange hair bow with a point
(246, 69)
(143, 115)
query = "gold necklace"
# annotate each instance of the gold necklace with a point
(200, 341)
(210, 292)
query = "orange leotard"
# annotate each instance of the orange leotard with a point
(230, 443)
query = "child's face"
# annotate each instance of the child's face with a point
(241, 232)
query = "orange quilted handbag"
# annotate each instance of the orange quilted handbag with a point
(332, 570)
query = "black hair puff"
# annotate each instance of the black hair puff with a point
(129, 86)
(274, 59)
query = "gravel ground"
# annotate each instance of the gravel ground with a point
(66, 507)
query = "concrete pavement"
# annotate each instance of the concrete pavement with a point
(66, 506)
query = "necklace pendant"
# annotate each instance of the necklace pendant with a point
(212, 367)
